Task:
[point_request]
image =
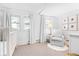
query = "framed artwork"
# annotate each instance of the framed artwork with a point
(78, 19)
(65, 23)
(65, 26)
(26, 22)
(78, 26)
(14, 22)
(71, 23)
(73, 26)
(65, 20)
(78, 23)
(72, 19)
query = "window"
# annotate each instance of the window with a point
(26, 23)
(48, 26)
(15, 22)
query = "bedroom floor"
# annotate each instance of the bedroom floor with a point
(37, 50)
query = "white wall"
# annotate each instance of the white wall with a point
(61, 10)
(20, 33)
(55, 25)
(35, 26)
(68, 14)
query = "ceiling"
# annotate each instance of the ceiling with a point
(61, 9)
(32, 7)
(52, 9)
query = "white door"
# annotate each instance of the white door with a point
(25, 30)
(23, 35)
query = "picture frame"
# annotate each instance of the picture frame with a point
(73, 26)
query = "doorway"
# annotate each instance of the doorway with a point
(26, 29)
(24, 32)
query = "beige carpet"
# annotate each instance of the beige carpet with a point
(37, 50)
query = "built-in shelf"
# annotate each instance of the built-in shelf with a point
(75, 33)
(74, 42)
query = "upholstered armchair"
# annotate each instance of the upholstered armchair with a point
(57, 38)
